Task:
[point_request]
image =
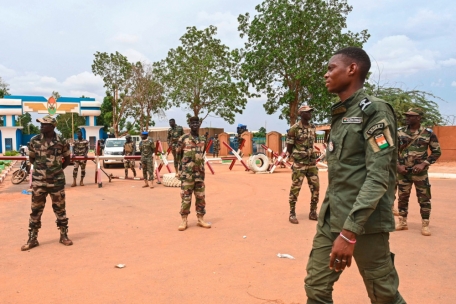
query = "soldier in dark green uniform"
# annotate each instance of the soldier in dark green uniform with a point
(412, 167)
(216, 145)
(80, 148)
(300, 145)
(46, 152)
(362, 155)
(191, 172)
(174, 133)
(129, 149)
(147, 149)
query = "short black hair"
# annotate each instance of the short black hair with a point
(172, 119)
(360, 57)
(194, 118)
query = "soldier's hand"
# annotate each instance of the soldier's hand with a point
(342, 252)
(418, 168)
(401, 169)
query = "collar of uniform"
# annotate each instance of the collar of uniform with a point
(420, 129)
(54, 139)
(342, 106)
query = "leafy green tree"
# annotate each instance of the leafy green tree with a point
(4, 88)
(402, 100)
(261, 132)
(25, 120)
(116, 73)
(202, 76)
(147, 96)
(64, 124)
(288, 45)
(105, 118)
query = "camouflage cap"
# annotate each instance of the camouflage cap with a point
(415, 112)
(305, 109)
(48, 119)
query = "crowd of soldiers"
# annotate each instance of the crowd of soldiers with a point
(368, 159)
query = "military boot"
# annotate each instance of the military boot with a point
(32, 241)
(152, 184)
(183, 225)
(425, 228)
(134, 172)
(402, 225)
(292, 218)
(146, 184)
(201, 221)
(395, 212)
(81, 183)
(313, 215)
(126, 173)
(64, 236)
(74, 182)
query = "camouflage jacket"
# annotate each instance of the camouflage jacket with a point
(129, 148)
(417, 152)
(147, 149)
(216, 144)
(192, 163)
(362, 156)
(47, 168)
(80, 147)
(173, 136)
(302, 139)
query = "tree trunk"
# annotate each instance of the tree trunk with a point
(293, 111)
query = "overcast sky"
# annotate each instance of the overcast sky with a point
(49, 45)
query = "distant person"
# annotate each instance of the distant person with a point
(413, 165)
(174, 133)
(129, 150)
(80, 148)
(191, 171)
(362, 156)
(300, 145)
(216, 145)
(147, 149)
(46, 152)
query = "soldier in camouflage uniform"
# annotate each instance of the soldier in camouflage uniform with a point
(129, 149)
(191, 170)
(46, 152)
(412, 167)
(80, 148)
(174, 133)
(147, 149)
(216, 143)
(300, 142)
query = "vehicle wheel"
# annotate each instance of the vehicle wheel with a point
(170, 180)
(105, 165)
(263, 163)
(18, 176)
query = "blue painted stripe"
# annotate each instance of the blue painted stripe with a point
(10, 106)
(89, 108)
(74, 99)
(13, 120)
(26, 98)
(87, 121)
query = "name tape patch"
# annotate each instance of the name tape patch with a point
(375, 127)
(352, 120)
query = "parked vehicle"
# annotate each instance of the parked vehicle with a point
(21, 174)
(113, 146)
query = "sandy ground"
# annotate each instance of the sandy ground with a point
(124, 223)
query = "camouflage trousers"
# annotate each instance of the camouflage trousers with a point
(423, 193)
(57, 195)
(148, 169)
(311, 173)
(216, 152)
(188, 187)
(77, 164)
(176, 159)
(129, 163)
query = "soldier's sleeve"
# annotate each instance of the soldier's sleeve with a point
(66, 148)
(32, 152)
(400, 158)
(169, 136)
(434, 146)
(380, 136)
(291, 136)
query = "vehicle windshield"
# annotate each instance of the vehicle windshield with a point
(115, 143)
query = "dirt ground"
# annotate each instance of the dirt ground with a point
(124, 223)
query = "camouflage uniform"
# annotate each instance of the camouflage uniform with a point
(414, 154)
(129, 149)
(48, 178)
(191, 171)
(80, 148)
(173, 137)
(304, 165)
(147, 149)
(216, 143)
